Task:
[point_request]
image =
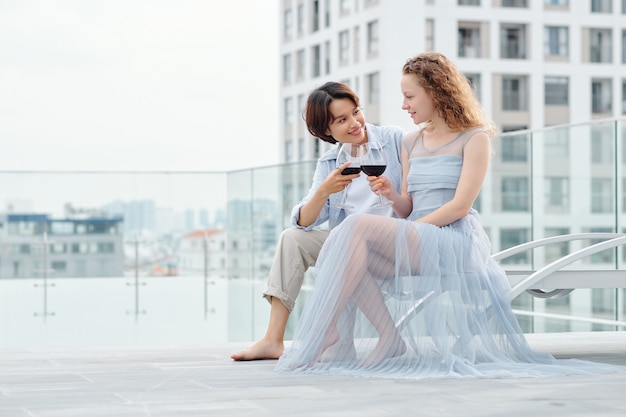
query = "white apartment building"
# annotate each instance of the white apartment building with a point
(559, 64)
(533, 63)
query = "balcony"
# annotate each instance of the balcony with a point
(164, 271)
(92, 258)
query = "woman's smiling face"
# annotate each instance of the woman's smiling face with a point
(348, 123)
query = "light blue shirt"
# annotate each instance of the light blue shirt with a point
(387, 137)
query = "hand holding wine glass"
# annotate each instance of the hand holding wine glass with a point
(352, 153)
(374, 163)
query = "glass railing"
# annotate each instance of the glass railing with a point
(99, 258)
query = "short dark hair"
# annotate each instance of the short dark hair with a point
(317, 116)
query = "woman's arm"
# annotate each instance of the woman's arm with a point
(318, 197)
(402, 202)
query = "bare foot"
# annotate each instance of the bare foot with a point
(331, 338)
(263, 349)
(343, 351)
(386, 348)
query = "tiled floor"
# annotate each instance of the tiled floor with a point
(173, 381)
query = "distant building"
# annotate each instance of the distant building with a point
(203, 251)
(73, 247)
(252, 229)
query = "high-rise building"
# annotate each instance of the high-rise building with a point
(533, 63)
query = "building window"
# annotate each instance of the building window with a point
(344, 7)
(300, 115)
(512, 41)
(601, 195)
(288, 111)
(56, 248)
(286, 69)
(300, 64)
(287, 25)
(105, 247)
(316, 64)
(289, 151)
(301, 149)
(602, 299)
(624, 96)
(623, 136)
(373, 88)
(80, 247)
(327, 57)
(514, 93)
(512, 128)
(300, 17)
(372, 39)
(515, 148)
(344, 47)
(61, 228)
(429, 40)
(624, 202)
(624, 45)
(469, 3)
(556, 41)
(556, 2)
(601, 96)
(602, 152)
(600, 45)
(556, 250)
(556, 143)
(474, 80)
(356, 47)
(602, 6)
(327, 13)
(556, 91)
(515, 3)
(605, 256)
(59, 266)
(469, 40)
(514, 237)
(556, 192)
(515, 194)
(315, 15)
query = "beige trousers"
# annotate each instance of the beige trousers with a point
(297, 251)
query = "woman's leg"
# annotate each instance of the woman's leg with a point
(372, 253)
(297, 251)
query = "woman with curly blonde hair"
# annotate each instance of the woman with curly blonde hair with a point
(436, 260)
(450, 90)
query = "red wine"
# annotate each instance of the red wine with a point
(374, 170)
(350, 171)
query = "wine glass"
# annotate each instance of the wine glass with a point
(349, 152)
(374, 163)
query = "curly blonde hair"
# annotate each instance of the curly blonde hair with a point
(451, 91)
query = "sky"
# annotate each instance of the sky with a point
(138, 85)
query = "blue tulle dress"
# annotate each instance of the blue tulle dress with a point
(373, 270)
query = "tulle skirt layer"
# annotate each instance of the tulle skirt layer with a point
(399, 299)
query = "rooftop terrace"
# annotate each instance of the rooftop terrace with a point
(201, 380)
